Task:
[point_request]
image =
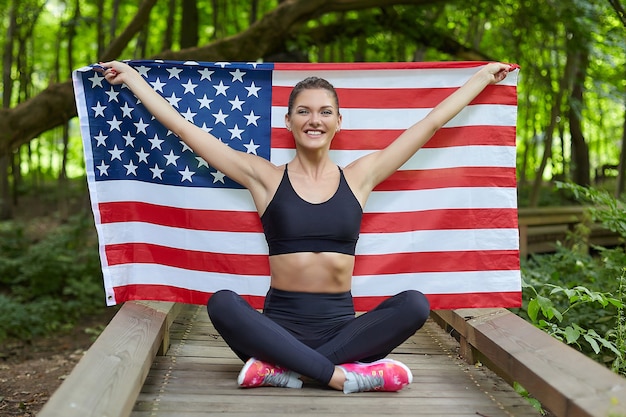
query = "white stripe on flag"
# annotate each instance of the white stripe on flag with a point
(401, 119)
(429, 283)
(254, 243)
(240, 200)
(427, 158)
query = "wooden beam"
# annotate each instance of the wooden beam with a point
(564, 380)
(107, 380)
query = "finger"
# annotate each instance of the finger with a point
(99, 68)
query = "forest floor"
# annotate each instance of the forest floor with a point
(31, 372)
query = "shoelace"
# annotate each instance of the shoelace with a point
(364, 382)
(277, 379)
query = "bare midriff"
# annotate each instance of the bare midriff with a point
(315, 272)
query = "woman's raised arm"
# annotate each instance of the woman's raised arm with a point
(244, 168)
(377, 166)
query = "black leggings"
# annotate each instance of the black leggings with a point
(311, 333)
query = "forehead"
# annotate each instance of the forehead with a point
(315, 96)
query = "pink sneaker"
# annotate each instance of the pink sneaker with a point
(382, 375)
(256, 373)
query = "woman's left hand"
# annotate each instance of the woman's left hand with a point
(497, 71)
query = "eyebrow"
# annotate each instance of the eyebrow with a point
(302, 106)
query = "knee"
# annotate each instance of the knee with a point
(416, 307)
(220, 304)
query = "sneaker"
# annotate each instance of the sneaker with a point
(382, 375)
(256, 373)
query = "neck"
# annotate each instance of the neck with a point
(312, 166)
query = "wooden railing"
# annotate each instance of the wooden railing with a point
(540, 229)
(564, 380)
(107, 380)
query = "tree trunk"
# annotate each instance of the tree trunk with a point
(549, 135)
(621, 171)
(7, 58)
(215, 7)
(580, 151)
(189, 26)
(100, 27)
(6, 206)
(254, 11)
(168, 36)
(113, 26)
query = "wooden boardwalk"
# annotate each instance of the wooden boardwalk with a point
(197, 377)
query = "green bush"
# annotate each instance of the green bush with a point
(49, 282)
(579, 297)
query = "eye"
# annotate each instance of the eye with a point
(327, 112)
(302, 111)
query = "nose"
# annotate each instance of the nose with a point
(315, 119)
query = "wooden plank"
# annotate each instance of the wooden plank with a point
(529, 216)
(107, 380)
(564, 380)
(198, 378)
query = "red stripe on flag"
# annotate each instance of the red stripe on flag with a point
(405, 98)
(386, 222)
(215, 220)
(379, 139)
(146, 253)
(258, 265)
(424, 262)
(449, 177)
(449, 219)
(452, 301)
(442, 301)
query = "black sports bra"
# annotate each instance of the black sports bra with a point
(292, 224)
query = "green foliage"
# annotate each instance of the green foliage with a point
(578, 297)
(49, 283)
(618, 334)
(606, 209)
(523, 392)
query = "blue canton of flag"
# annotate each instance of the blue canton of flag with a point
(230, 101)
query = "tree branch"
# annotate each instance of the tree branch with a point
(55, 105)
(396, 23)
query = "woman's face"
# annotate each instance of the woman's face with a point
(314, 119)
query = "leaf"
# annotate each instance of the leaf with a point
(611, 346)
(571, 335)
(593, 343)
(533, 310)
(547, 308)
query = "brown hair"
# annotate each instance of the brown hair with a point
(311, 83)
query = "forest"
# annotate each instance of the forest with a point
(571, 128)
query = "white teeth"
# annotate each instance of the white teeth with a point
(314, 132)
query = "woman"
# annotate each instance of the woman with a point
(311, 213)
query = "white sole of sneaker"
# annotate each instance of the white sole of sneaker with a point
(242, 373)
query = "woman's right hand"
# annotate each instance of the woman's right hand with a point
(117, 72)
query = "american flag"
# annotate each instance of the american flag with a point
(173, 228)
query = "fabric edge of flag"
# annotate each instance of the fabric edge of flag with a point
(83, 114)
